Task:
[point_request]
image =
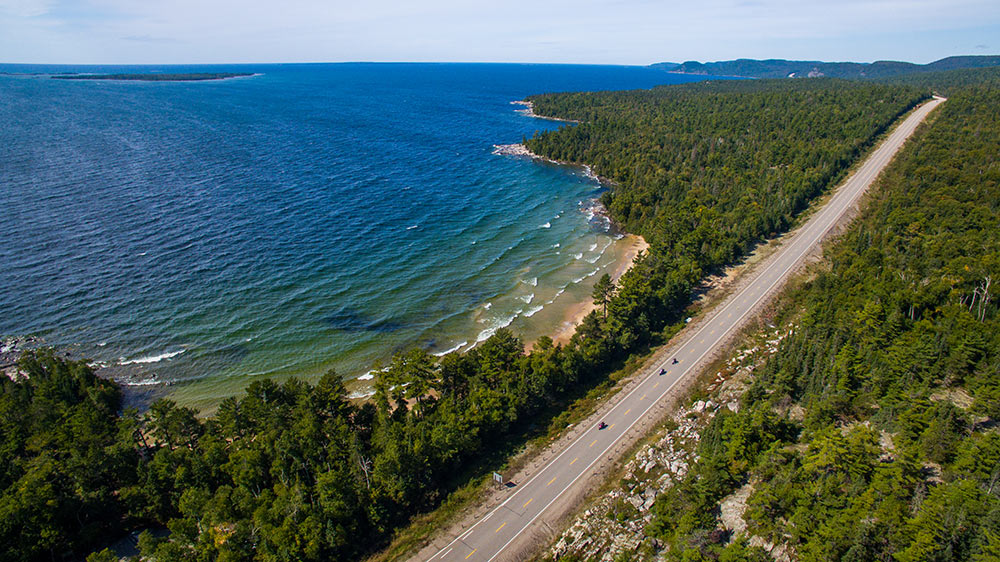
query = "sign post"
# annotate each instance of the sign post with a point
(498, 479)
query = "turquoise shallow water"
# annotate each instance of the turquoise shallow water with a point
(306, 218)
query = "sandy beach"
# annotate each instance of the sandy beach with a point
(577, 312)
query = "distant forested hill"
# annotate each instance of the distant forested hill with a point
(780, 68)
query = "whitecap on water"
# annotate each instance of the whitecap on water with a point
(546, 225)
(150, 358)
(450, 350)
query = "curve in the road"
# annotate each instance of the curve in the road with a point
(493, 535)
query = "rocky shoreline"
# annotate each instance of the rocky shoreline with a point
(529, 110)
(139, 388)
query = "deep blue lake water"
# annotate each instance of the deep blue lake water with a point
(306, 218)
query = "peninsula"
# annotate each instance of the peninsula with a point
(181, 77)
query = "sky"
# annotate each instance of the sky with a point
(542, 31)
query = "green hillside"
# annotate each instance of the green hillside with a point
(780, 68)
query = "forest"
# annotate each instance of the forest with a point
(871, 433)
(780, 68)
(299, 472)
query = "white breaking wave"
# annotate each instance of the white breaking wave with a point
(485, 334)
(371, 374)
(487, 305)
(578, 256)
(527, 298)
(149, 382)
(593, 247)
(531, 311)
(412, 227)
(447, 351)
(546, 225)
(150, 358)
(556, 245)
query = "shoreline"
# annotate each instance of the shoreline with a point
(528, 110)
(577, 312)
(137, 377)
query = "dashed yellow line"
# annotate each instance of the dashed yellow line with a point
(730, 315)
(573, 461)
(656, 384)
(702, 340)
(611, 426)
(592, 443)
(712, 332)
(643, 397)
(553, 480)
(471, 553)
(502, 525)
(627, 411)
(527, 502)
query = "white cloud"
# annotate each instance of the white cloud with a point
(25, 8)
(623, 31)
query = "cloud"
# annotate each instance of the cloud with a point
(25, 8)
(598, 31)
(149, 39)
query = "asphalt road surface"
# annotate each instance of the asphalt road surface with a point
(497, 534)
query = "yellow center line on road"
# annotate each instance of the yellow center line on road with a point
(471, 553)
(553, 480)
(730, 315)
(627, 411)
(611, 426)
(712, 333)
(573, 461)
(657, 384)
(702, 340)
(643, 397)
(592, 444)
(527, 502)
(501, 526)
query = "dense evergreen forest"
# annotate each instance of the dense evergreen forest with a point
(706, 171)
(298, 472)
(871, 434)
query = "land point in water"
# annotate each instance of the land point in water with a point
(307, 217)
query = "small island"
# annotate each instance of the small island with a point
(187, 77)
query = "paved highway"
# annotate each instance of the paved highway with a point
(498, 534)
